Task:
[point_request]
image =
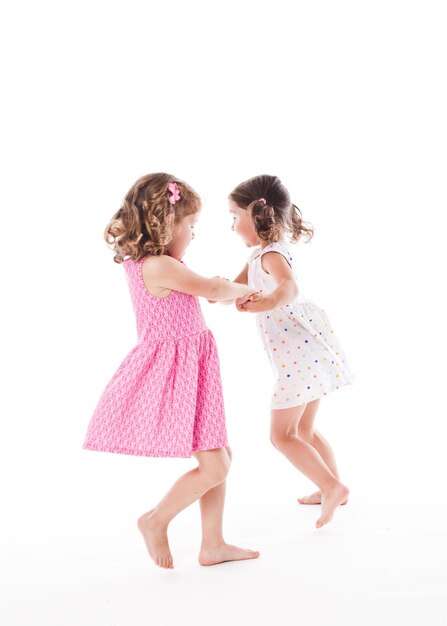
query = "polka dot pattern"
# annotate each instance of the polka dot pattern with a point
(301, 329)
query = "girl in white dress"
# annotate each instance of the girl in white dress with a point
(304, 353)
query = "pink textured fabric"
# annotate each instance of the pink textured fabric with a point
(166, 397)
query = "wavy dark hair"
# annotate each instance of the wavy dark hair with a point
(276, 214)
(141, 226)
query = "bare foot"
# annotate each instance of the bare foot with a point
(156, 538)
(330, 502)
(225, 552)
(315, 498)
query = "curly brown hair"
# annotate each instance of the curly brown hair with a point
(142, 225)
(271, 209)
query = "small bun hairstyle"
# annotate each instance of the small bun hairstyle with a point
(271, 209)
(263, 216)
(143, 225)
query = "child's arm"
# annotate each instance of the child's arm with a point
(242, 279)
(243, 276)
(286, 291)
(168, 273)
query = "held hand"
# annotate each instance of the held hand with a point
(250, 302)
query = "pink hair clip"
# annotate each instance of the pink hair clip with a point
(263, 200)
(175, 193)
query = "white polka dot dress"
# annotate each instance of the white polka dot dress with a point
(305, 355)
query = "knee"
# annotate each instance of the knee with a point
(280, 438)
(217, 471)
(306, 434)
(230, 454)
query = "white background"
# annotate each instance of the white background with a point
(346, 102)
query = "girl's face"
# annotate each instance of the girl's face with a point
(182, 235)
(243, 225)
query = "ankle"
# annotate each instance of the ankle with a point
(211, 543)
(156, 519)
(329, 485)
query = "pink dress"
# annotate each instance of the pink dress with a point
(165, 399)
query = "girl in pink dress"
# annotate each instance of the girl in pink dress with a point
(165, 399)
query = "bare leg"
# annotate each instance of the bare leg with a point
(214, 549)
(311, 436)
(307, 459)
(211, 471)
